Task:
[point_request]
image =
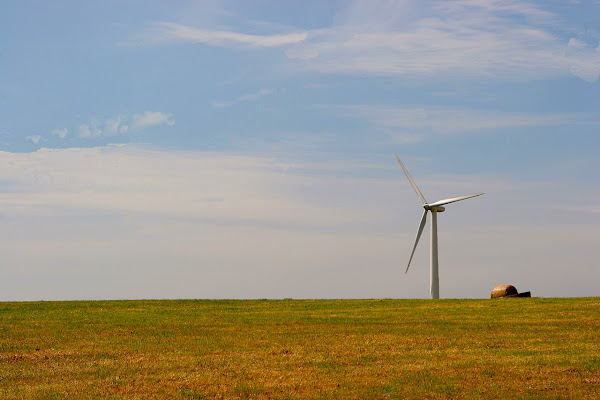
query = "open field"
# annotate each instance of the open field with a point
(288, 349)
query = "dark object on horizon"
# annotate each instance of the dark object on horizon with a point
(502, 291)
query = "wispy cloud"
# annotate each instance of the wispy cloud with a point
(35, 139)
(89, 130)
(152, 118)
(313, 85)
(106, 128)
(115, 126)
(168, 32)
(411, 123)
(506, 7)
(246, 97)
(507, 39)
(585, 62)
(61, 133)
(84, 131)
(192, 184)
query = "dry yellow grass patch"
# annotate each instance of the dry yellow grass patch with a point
(517, 348)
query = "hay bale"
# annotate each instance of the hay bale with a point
(504, 291)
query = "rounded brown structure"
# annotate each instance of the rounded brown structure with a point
(504, 291)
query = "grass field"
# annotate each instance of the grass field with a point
(291, 349)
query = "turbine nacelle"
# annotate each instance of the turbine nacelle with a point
(434, 208)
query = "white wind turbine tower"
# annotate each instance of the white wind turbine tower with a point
(434, 208)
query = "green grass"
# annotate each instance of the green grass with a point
(526, 348)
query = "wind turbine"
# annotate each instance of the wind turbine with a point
(434, 208)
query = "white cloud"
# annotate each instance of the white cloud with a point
(89, 130)
(166, 32)
(246, 97)
(191, 184)
(585, 60)
(152, 118)
(61, 133)
(118, 126)
(84, 131)
(505, 39)
(34, 138)
(114, 127)
(458, 38)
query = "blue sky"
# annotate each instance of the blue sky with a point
(246, 149)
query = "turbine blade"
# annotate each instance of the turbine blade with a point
(412, 183)
(452, 200)
(421, 226)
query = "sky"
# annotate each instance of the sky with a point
(245, 149)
